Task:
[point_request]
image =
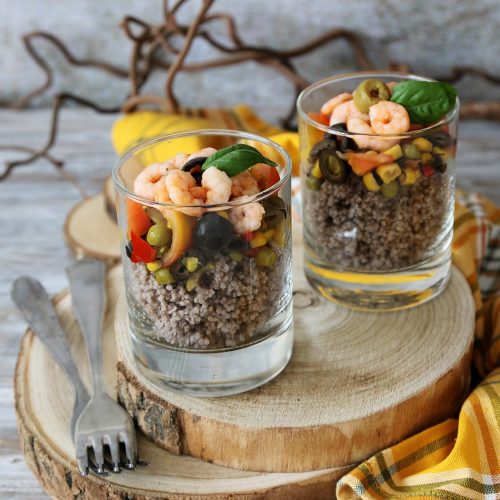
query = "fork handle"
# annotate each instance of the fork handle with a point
(87, 284)
(35, 306)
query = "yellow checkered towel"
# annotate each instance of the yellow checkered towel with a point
(452, 460)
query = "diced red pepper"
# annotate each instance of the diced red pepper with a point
(427, 170)
(319, 117)
(415, 126)
(265, 175)
(248, 236)
(142, 251)
(138, 220)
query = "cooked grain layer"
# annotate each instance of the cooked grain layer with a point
(237, 299)
(356, 228)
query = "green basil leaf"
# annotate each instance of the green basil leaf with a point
(235, 159)
(426, 102)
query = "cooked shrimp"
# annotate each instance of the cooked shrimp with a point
(182, 190)
(331, 104)
(161, 194)
(147, 182)
(217, 184)
(388, 117)
(205, 152)
(248, 217)
(391, 85)
(359, 125)
(178, 160)
(244, 184)
(345, 111)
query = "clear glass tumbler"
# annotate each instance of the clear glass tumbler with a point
(380, 240)
(208, 286)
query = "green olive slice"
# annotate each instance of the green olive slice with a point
(369, 92)
(332, 167)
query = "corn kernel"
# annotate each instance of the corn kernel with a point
(440, 151)
(236, 256)
(153, 266)
(388, 172)
(269, 234)
(316, 171)
(280, 233)
(192, 283)
(396, 152)
(423, 144)
(191, 263)
(409, 176)
(370, 183)
(426, 158)
(259, 240)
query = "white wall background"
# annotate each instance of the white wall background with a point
(431, 35)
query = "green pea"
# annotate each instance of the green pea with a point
(159, 235)
(164, 277)
(390, 190)
(411, 151)
(266, 257)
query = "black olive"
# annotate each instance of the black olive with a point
(193, 162)
(274, 206)
(237, 244)
(324, 144)
(193, 166)
(128, 249)
(377, 178)
(342, 127)
(212, 233)
(438, 164)
(440, 139)
(275, 219)
(332, 167)
(205, 280)
(343, 143)
(179, 271)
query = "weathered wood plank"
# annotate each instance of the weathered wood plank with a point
(36, 199)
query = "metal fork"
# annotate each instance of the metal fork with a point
(34, 304)
(103, 422)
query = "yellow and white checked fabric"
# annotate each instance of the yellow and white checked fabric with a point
(457, 459)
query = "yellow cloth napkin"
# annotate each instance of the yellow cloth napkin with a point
(134, 128)
(452, 460)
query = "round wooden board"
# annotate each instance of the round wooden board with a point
(90, 231)
(108, 190)
(357, 383)
(43, 408)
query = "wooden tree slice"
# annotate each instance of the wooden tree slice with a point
(43, 407)
(357, 382)
(108, 190)
(90, 231)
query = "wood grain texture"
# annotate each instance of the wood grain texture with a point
(43, 407)
(90, 231)
(38, 248)
(357, 382)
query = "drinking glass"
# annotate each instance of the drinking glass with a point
(209, 302)
(381, 240)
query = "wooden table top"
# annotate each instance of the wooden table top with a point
(34, 202)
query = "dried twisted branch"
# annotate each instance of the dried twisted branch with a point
(153, 50)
